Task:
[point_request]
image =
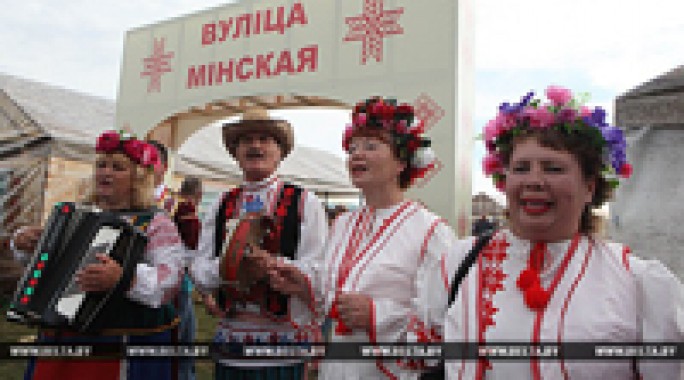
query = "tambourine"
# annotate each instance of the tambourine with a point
(251, 230)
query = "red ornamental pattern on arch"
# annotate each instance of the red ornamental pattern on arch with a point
(430, 113)
(372, 26)
(427, 110)
(156, 65)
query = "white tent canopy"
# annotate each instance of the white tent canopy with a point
(74, 120)
(310, 167)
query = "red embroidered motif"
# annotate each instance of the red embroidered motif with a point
(421, 332)
(434, 335)
(428, 110)
(372, 26)
(492, 275)
(157, 64)
(300, 337)
(232, 200)
(281, 213)
(491, 281)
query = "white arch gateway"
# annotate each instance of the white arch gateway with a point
(184, 73)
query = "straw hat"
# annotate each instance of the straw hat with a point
(257, 120)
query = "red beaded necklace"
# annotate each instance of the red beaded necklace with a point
(529, 282)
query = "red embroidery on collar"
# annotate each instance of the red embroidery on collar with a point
(353, 255)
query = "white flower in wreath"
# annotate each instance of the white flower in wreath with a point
(424, 157)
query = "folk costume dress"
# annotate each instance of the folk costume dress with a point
(300, 233)
(598, 291)
(145, 314)
(379, 253)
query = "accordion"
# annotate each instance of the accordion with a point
(47, 295)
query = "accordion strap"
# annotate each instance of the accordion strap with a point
(468, 262)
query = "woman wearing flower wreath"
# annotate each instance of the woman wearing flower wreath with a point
(549, 278)
(374, 255)
(124, 183)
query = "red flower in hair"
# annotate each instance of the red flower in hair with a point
(150, 156)
(134, 150)
(387, 112)
(405, 109)
(375, 109)
(491, 164)
(397, 119)
(626, 170)
(107, 142)
(401, 126)
(419, 128)
(412, 145)
(500, 185)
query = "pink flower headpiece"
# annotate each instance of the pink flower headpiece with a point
(140, 152)
(564, 114)
(408, 135)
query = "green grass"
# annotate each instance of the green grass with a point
(206, 325)
(12, 332)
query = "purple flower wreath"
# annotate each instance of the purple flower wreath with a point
(563, 113)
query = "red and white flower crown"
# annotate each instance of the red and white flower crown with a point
(140, 152)
(408, 135)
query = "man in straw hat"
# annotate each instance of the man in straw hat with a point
(255, 312)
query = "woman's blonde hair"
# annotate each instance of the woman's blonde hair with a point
(142, 185)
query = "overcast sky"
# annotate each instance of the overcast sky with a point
(604, 47)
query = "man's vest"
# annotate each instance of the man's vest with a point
(283, 240)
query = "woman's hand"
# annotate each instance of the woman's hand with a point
(101, 276)
(288, 279)
(212, 307)
(354, 310)
(26, 238)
